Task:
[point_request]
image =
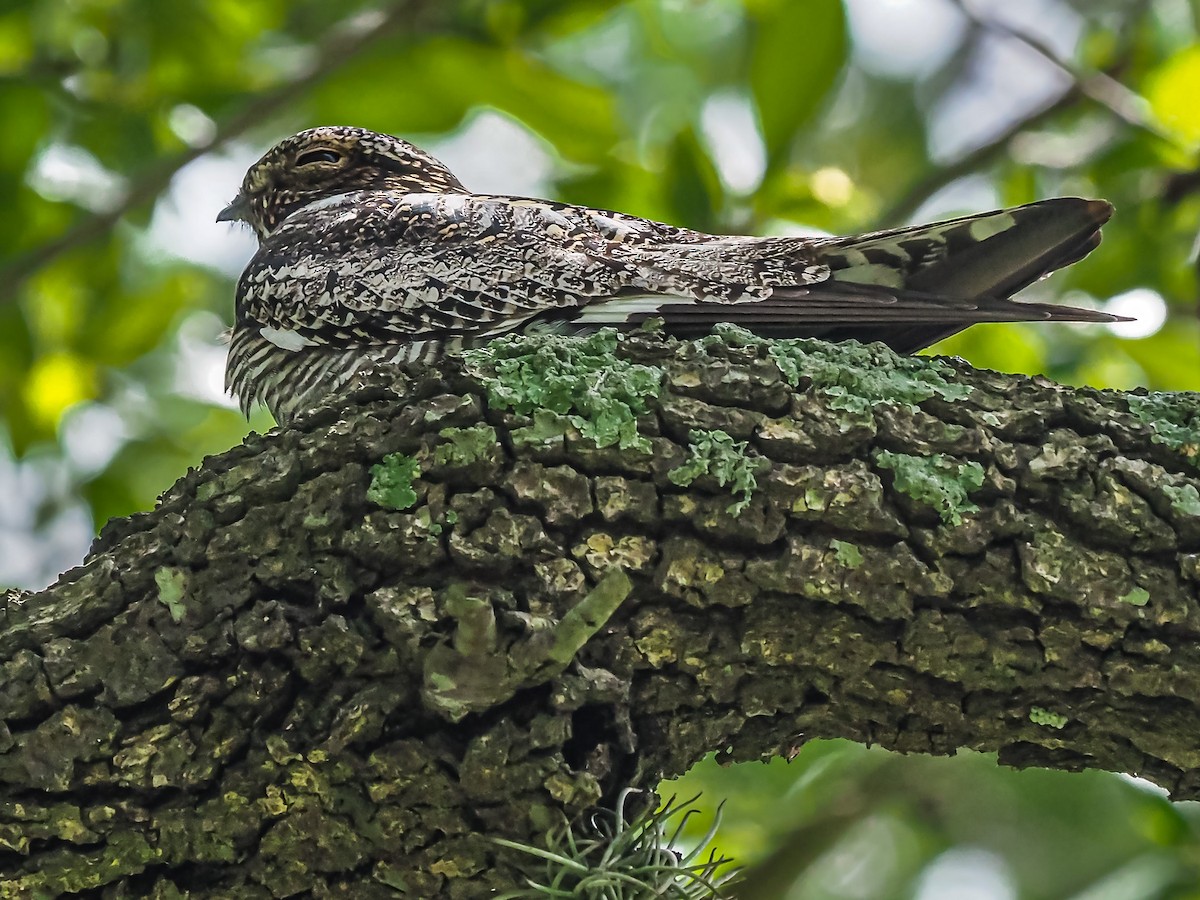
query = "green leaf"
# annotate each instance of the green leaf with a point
(798, 51)
(446, 77)
(1172, 92)
(694, 187)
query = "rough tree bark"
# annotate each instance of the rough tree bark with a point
(337, 658)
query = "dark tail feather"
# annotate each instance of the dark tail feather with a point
(1044, 237)
(906, 321)
(908, 287)
(983, 258)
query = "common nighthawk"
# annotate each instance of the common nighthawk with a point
(371, 251)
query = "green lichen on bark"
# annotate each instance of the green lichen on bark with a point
(1047, 719)
(128, 854)
(853, 376)
(425, 520)
(939, 481)
(1174, 420)
(1185, 498)
(1137, 597)
(583, 381)
(465, 446)
(718, 455)
(171, 584)
(846, 553)
(392, 482)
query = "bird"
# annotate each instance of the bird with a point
(372, 253)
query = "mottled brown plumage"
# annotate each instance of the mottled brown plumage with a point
(372, 252)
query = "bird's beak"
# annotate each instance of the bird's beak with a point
(234, 212)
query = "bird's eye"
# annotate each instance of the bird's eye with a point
(318, 156)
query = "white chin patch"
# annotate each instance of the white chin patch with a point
(285, 339)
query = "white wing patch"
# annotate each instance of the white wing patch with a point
(286, 339)
(610, 312)
(989, 226)
(879, 274)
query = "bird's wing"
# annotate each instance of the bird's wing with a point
(379, 268)
(907, 287)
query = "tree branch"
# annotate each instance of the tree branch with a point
(344, 654)
(1101, 87)
(355, 34)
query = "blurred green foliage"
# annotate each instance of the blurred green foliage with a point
(754, 116)
(842, 821)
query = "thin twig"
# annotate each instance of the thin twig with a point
(1082, 87)
(1123, 102)
(907, 204)
(345, 41)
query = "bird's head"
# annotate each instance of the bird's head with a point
(327, 161)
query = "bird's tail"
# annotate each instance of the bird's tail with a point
(907, 287)
(980, 259)
(992, 254)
